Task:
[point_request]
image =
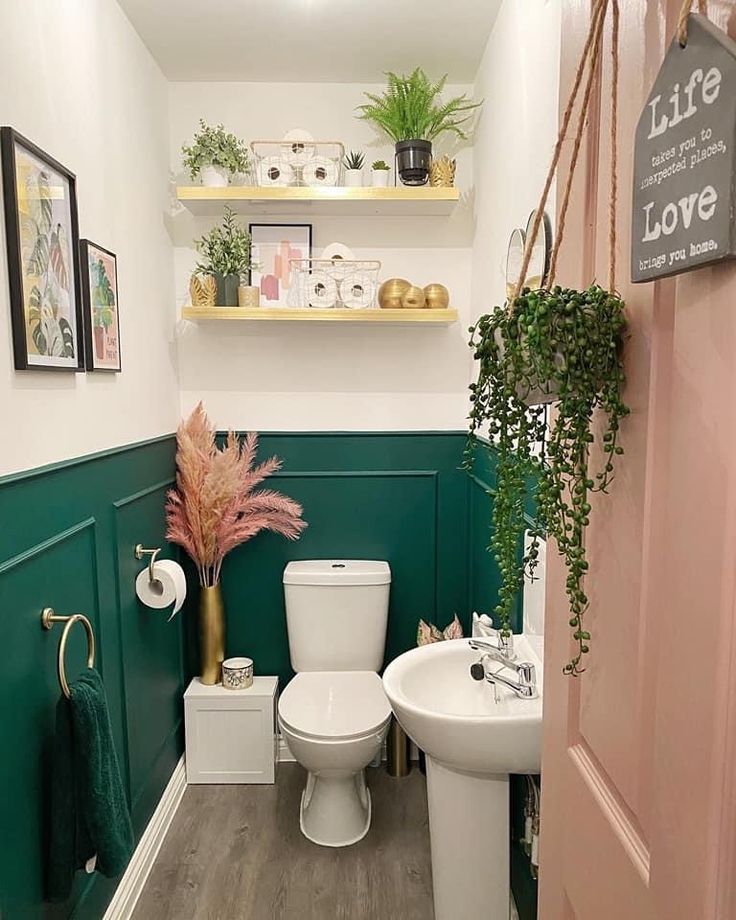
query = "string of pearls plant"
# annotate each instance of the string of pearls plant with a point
(561, 346)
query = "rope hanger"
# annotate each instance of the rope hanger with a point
(682, 18)
(589, 61)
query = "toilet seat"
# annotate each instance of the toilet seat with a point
(334, 705)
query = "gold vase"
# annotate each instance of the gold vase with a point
(211, 635)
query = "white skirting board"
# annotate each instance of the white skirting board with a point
(134, 878)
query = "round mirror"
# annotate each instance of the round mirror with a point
(514, 256)
(536, 275)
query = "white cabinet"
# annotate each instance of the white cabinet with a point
(231, 735)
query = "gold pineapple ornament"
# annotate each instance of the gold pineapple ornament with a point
(203, 290)
(442, 172)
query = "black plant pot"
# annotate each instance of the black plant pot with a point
(227, 290)
(412, 161)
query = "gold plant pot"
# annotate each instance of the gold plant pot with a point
(211, 635)
(438, 297)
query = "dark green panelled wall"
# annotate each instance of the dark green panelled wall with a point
(395, 496)
(66, 540)
(67, 534)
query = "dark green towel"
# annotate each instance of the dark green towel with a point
(89, 810)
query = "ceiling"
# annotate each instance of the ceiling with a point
(345, 41)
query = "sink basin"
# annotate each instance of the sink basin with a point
(472, 742)
(455, 719)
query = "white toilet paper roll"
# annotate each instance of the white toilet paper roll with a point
(275, 170)
(322, 290)
(358, 290)
(337, 252)
(301, 147)
(169, 586)
(320, 171)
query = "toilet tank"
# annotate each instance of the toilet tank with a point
(336, 613)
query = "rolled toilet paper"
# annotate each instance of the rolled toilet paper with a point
(322, 290)
(275, 171)
(321, 171)
(358, 290)
(169, 586)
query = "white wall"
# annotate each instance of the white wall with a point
(77, 81)
(324, 376)
(519, 80)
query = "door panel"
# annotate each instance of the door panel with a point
(639, 793)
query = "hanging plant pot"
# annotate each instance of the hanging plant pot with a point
(560, 345)
(227, 290)
(413, 159)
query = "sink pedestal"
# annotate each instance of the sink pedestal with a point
(469, 832)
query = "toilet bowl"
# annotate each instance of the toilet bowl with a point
(334, 714)
(334, 723)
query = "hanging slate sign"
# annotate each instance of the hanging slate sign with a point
(685, 159)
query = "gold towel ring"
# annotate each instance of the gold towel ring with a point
(48, 618)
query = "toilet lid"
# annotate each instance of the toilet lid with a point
(334, 704)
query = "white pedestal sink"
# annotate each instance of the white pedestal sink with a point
(472, 744)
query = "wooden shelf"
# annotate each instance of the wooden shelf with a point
(280, 314)
(395, 201)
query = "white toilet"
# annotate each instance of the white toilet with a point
(334, 714)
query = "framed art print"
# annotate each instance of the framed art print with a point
(43, 257)
(272, 247)
(100, 307)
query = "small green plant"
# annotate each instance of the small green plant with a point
(354, 159)
(380, 165)
(225, 250)
(215, 147)
(410, 108)
(563, 345)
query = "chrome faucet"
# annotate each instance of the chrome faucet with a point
(483, 628)
(524, 687)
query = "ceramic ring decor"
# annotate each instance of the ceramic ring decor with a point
(237, 673)
(514, 258)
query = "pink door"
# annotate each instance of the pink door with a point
(639, 762)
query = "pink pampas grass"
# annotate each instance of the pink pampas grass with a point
(215, 506)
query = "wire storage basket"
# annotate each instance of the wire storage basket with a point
(310, 164)
(334, 283)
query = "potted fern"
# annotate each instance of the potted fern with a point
(226, 255)
(353, 163)
(413, 114)
(215, 156)
(379, 174)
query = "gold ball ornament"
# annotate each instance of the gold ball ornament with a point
(391, 292)
(438, 297)
(414, 299)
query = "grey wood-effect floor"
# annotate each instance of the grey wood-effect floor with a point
(237, 852)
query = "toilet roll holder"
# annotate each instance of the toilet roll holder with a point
(140, 551)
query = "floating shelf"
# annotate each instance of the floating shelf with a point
(396, 201)
(279, 314)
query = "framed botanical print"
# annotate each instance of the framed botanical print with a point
(272, 248)
(42, 233)
(100, 307)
